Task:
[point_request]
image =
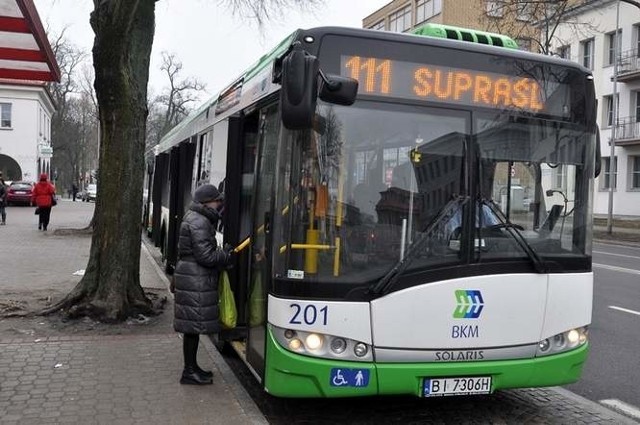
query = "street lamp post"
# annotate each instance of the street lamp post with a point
(612, 162)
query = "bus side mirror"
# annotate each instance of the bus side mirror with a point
(299, 89)
(338, 90)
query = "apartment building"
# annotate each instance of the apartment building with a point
(492, 16)
(589, 37)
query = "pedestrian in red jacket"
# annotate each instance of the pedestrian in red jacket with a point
(43, 195)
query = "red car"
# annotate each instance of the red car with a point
(19, 193)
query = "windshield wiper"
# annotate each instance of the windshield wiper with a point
(393, 275)
(514, 231)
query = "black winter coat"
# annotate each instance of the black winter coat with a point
(196, 274)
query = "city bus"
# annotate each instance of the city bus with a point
(412, 212)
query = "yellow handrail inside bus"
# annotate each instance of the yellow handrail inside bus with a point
(242, 245)
(283, 248)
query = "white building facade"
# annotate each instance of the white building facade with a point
(590, 40)
(25, 130)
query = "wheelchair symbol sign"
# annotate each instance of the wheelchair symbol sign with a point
(349, 378)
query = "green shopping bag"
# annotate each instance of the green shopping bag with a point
(227, 302)
(256, 300)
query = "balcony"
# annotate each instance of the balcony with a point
(629, 66)
(628, 131)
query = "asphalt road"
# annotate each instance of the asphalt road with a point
(613, 369)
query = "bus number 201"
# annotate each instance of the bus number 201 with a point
(309, 314)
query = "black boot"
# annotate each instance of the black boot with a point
(192, 374)
(191, 377)
(202, 372)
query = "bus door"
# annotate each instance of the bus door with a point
(181, 168)
(265, 166)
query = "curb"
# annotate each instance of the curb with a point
(245, 401)
(243, 398)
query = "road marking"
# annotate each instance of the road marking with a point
(623, 407)
(626, 310)
(617, 269)
(616, 255)
(625, 247)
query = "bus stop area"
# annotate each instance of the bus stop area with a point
(87, 373)
(56, 372)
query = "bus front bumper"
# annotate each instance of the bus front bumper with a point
(293, 375)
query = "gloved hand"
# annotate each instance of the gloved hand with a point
(230, 255)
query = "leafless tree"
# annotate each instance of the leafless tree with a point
(534, 21)
(264, 10)
(66, 136)
(174, 103)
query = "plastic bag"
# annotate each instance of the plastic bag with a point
(256, 301)
(227, 302)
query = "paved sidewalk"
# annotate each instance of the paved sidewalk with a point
(104, 379)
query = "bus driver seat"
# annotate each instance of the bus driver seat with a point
(549, 223)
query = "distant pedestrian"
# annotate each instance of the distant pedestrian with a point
(196, 279)
(43, 196)
(3, 201)
(74, 191)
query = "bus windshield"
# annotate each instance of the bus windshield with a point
(358, 191)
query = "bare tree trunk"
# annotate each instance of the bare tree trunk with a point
(110, 289)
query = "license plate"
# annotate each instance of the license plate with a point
(435, 387)
(20, 192)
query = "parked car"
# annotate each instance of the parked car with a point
(89, 194)
(19, 193)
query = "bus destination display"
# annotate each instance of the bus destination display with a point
(386, 77)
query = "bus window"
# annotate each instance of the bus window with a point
(354, 198)
(530, 172)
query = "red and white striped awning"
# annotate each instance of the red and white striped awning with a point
(25, 52)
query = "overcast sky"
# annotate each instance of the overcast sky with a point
(212, 44)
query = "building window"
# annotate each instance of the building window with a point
(636, 28)
(426, 9)
(495, 9)
(611, 47)
(608, 112)
(587, 53)
(606, 175)
(638, 106)
(378, 26)
(564, 52)
(401, 20)
(634, 166)
(5, 115)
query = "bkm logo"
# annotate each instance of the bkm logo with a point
(470, 304)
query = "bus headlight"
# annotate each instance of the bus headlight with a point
(322, 345)
(564, 341)
(295, 344)
(313, 341)
(573, 336)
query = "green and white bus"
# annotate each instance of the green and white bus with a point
(412, 213)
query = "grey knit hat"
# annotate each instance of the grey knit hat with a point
(207, 193)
